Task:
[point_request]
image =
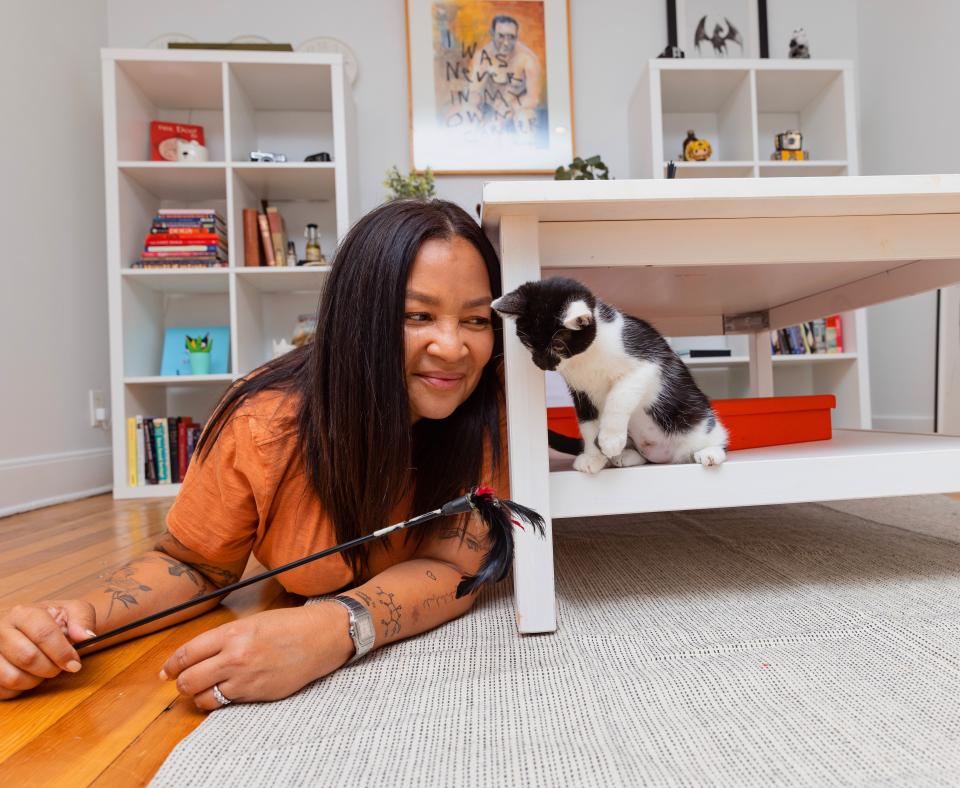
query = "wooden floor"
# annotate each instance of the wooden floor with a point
(114, 722)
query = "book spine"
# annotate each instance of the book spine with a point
(265, 238)
(188, 212)
(178, 239)
(182, 425)
(141, 455)
(163, 450)
(173, 250)
(251, 238)
(131, 451)
(275, 222)
(173, 434)
(838, 326)
(150, 445)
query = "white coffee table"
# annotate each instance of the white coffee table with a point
(707, 257)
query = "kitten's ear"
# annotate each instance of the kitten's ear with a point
(511, 305)
(577, 316)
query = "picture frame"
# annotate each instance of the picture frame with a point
(718, 44)
(176, 360)
(469, 111)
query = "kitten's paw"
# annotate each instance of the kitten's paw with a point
(612, 444)
(628, 459)
(590, 463)
(713, 455)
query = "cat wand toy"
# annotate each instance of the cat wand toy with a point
(498, 514)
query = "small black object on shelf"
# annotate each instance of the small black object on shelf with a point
(671, 169)
(322, 156)
(672, 50)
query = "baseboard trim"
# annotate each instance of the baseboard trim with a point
(40, 480)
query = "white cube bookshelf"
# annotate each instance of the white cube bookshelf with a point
(296, 104)
(739, 105)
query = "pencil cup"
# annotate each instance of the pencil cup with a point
(200, 363)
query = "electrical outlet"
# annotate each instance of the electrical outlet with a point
(98, 408)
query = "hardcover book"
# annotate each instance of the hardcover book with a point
(164, 136)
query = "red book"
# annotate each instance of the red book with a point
(164, 136)
(836, 323)
(252, 255)
(181, 239)
(182, 447)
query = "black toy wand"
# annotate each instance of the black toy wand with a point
(497, 513)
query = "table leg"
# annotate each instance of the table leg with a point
(533, 580)
(761, 365)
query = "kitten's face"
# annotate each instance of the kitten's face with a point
(554, 318)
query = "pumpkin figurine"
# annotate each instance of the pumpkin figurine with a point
(694, 149)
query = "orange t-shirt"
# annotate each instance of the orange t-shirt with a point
(251, 493)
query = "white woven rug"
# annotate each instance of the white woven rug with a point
(793, 645)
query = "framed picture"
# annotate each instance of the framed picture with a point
(712, 29)
(176, 359)
(489, 85)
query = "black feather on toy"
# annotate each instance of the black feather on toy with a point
(500, 515)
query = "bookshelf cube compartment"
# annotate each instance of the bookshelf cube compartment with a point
(280, 108)
(176, 91)
(304, 194)
(269, 313)
(146, 314)
(809, 100)
(716, 104)
(143, 190)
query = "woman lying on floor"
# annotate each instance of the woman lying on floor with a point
(394, 409)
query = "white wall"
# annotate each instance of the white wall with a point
(909, 113)
(53, 292)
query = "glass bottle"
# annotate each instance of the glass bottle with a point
(313, 252)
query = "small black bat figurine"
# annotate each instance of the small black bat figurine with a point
(500, 515)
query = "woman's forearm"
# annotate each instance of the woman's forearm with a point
(412, 597)
(146, 585)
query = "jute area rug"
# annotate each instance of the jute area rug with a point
(806, 645)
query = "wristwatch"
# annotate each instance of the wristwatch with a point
(361, 626)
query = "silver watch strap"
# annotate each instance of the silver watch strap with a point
(361, 626)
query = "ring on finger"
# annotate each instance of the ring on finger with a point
(222, 699)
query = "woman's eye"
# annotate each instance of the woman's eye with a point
(479, 321)
(417, 317)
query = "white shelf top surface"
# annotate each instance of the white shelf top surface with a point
(720, 198)
(900, 464)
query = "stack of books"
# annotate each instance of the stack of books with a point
(824, 335)
(185, 238)
(264, 237)
(159, 449)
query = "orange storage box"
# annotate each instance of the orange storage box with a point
(751, 422)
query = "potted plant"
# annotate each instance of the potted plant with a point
(583, 170)
(199, 349)
(413, 185)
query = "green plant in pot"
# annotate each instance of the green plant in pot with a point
(592, 169)
(199, 349)
(413, 185)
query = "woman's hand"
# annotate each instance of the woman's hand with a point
(266, 656)
(36, 642)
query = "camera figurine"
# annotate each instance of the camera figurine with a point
(262, 155)
(789, 145)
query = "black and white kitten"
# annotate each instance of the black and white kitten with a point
(636, 401)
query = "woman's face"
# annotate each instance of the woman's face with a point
(448, 334)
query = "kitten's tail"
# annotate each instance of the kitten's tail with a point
(564, 443)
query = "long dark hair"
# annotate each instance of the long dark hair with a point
(360, 451)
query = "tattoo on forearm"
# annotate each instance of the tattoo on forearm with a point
(432, 602)
(180, 569)
(391, 625)
(432, 576)
(471, 541)
(365, 599)
(217, 575)
(122, 587)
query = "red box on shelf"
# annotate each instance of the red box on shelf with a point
(751, 422)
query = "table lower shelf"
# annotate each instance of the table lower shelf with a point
(854, 464)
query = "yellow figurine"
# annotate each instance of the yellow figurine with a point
(694, 149)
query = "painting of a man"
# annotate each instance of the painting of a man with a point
(507, 78)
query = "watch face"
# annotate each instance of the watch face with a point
(365, 631)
